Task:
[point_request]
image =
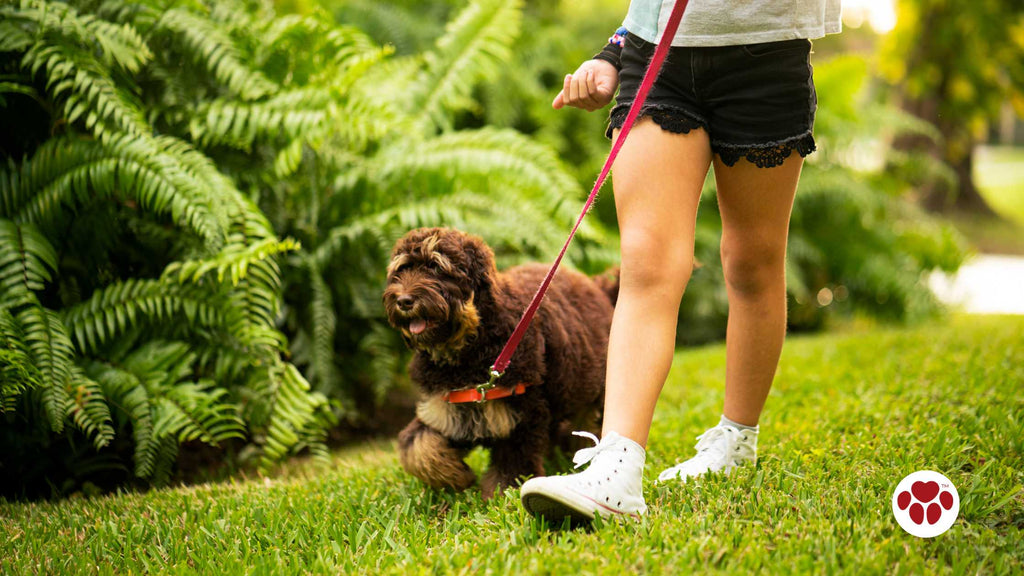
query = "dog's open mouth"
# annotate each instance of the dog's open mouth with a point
(420, 325)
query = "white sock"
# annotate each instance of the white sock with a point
(737, 425)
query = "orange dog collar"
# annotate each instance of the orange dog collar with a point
(484, 393)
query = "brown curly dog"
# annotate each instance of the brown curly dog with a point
(456, 311)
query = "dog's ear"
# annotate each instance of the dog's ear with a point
(480, 265)
(412, 239)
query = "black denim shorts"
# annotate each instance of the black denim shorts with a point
(755, 101)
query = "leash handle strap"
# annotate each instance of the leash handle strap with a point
(653, 68)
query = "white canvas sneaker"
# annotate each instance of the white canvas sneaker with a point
(611, 485)
(721, 448)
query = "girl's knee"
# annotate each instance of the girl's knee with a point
(753, 270)
(655, 262)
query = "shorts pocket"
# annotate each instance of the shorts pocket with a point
(637, 43)
(780, 47)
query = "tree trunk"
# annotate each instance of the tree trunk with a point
(936, 195)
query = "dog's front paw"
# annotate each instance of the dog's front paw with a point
(429, 456)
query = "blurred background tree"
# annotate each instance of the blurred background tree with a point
(955, 65)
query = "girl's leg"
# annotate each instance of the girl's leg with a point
(755, 204)
(658, 178)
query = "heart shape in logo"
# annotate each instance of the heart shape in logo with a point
(925, 491)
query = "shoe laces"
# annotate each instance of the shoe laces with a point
(710, 436)
(585, 455)
(715, 447)
(715, 442)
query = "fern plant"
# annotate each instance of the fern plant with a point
(139, 288)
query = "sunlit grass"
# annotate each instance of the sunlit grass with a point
(849, 416)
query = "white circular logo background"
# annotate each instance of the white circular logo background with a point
(925, 503)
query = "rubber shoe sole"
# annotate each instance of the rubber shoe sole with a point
(554, 510)
(555, 505)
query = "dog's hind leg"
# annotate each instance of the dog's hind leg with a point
(429, 456)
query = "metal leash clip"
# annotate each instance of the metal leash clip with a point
(489, 385)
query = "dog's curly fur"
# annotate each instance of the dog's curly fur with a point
(456, 311)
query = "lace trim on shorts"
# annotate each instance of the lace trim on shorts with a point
(679, 121)
(765, 155)
(670, 118)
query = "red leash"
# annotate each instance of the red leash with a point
(634, 110)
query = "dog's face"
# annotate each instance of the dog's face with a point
(433, 279)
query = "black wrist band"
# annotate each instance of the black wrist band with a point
(612, 54)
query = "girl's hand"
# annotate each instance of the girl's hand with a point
(591, 87)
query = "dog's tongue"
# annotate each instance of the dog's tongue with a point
(417, 326)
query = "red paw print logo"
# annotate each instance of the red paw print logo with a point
(925, 503)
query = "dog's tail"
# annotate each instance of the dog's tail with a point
(608, 282)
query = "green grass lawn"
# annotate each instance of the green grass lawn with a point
(850, 415)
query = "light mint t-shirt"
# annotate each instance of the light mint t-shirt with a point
(732, 22)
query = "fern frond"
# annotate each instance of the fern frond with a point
(522, 227)
(214, 50)
(116, 309)
(88, 409)
(384, 348)
(161, 175)
(322, 371)
(26, 261)
(234, 260)
(309, 115)
(36, 342)
(87, 89)
(354, 53)
(53, 355)
(196, 412)
(334, 56)
(16, 31)
(238, 124)
(502, 160)
(292, 416)
(17, 371)
(180, 410)
(380, 229)
(409, 28)
(478, 165)
(16, 88)
(472, 48)
(256, 293)
(127, 393)
(119, 45)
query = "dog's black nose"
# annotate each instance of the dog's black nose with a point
(405, 302)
